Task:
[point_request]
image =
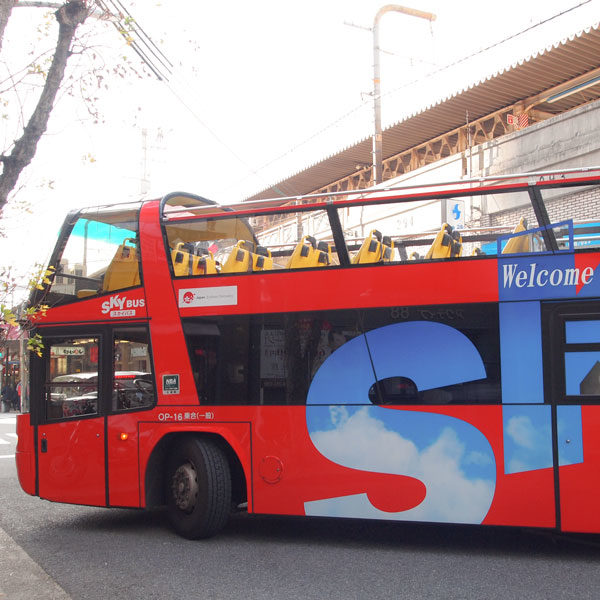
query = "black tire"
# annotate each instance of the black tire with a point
(198, 488)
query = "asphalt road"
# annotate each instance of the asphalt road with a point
(114, 553)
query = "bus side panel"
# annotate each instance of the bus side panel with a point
(580, 478)
(123, 481)
(25, 454)
(370, 462)
(98, 307)
(161, 304)
(524, 500)
(295, 291)
(290, 471)
(237, 435)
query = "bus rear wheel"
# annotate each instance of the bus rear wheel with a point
(198, 488)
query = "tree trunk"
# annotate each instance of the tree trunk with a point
(6, 7)
(69, 16)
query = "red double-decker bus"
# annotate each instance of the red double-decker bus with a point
(331, 355)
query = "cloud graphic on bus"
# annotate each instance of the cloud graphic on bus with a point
(452, 458)
(458, 489)
(527, 438)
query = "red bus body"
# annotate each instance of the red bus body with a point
(516, 452)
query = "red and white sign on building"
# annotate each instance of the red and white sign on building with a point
(520, 121)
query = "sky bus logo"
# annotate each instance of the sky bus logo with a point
(121, 306)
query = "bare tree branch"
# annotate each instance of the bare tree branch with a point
(22, 73)
(6, 7)
(69, 16)
(40, 4)
(36, 4)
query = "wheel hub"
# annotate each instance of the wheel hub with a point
(184, 487)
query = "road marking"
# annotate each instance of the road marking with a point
(11, 435)
(4, 441)
(7, 456)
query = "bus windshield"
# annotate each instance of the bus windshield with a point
(99, 255)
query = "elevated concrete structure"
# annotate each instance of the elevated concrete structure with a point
(541, 90)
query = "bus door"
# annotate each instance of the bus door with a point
(67, 389)
(572, 383)
(132, 390)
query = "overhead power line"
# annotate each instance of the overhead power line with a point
(429, 75)
(164, 71)
(139, 41)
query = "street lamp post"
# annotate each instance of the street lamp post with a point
(377, 137)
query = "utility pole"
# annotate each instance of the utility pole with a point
(377, 135)
(144, 181)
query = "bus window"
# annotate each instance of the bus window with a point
(133, 383)
(71, 388)
(582, 357)
(290, 240)
(100, 255)
(263, 359)
(556, 237)
(369, 232)
(409, 344)
(388, 233)
(202, 247)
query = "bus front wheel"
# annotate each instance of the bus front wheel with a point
(198, 488)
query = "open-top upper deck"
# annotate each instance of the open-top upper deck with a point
(101, 250)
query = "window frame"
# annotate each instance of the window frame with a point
(212, 376)
(57, 298)
(339, 243)
(49, 383)
(106, 372)
(117, 327)
(555, 316)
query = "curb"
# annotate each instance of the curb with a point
(21, 578)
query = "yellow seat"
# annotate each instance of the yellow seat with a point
(204, 263)
(370, 250)
(181, 260)
(239, 259)
(447, 244)
(375, 248)
(188, 260)
(262, 259)
(124, 269)
(122, 272)
(519, 243)
(387, 249)
(305, 254)
(324, 254)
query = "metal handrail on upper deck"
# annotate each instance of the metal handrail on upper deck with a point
(439, 189)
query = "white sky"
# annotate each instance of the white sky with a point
(265, 76)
